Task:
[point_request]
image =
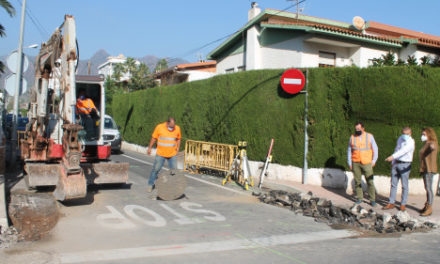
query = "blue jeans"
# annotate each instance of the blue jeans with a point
(427, 179)
(158, 164)
(400, 170)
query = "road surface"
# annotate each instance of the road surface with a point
(211, 224)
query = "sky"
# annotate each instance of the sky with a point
(179, 29)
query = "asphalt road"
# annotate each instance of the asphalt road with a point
(211, 224)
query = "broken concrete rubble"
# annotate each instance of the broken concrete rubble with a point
(323, 210)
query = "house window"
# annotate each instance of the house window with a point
(327, 59)
(241, 68)
(230, 70)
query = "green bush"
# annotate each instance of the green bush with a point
(251, 106)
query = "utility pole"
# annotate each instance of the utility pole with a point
(17, 87)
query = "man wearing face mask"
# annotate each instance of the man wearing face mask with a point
(401, 167)
(362, 155)
(168, 137)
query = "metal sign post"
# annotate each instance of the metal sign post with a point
(306, 136)
(293, 81)
(17, 86)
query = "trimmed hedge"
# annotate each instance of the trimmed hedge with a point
(252, 106)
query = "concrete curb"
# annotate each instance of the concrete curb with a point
(325, 177)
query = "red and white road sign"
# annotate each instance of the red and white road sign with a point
(293, 81)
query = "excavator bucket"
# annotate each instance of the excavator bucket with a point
(106, 172)
(68, 186)
(72, 186)
(38, 174)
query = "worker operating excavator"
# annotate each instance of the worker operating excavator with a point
(87, 112)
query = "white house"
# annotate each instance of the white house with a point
(186, 73)
(107, 68)
(279, 39)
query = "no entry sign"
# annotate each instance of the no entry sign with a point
(293, 81)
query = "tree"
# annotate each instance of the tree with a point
(436, 61)
(411, 61)
(161, 65)
(389, 59)
(138, 76)
(112, 88)
(425, 60)
(400, 62)
(11, 12)
(377, 62)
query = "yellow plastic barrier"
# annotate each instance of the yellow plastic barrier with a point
(208, 155)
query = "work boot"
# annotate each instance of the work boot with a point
(424, 208)
(388, 206)
(428, 211)
(402, 208)
(373, 204)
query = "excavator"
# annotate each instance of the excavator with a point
(57, 150)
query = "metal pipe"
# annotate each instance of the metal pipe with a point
(18, 84)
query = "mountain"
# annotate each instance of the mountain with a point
(97, 59)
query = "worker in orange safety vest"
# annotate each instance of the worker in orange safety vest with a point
(168, 138)
(84, 105)
(86, 110)
(362, 155)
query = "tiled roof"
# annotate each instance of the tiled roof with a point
(423, 38)
(374, 32)
(196, 65)
(335, 29)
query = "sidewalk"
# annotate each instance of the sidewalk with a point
(341, 198)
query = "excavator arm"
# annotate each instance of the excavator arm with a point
(51, 149)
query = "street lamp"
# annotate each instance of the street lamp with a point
(18, 84)
(18, 80)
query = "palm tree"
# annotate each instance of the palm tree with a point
(11, 12)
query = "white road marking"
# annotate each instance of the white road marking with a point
(204, 247)
(117, 220)
(188, 176)
(215, 184)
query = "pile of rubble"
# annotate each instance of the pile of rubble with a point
(9, 237)
(324, 211)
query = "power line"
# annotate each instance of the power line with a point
(43, 32)
(38, 22)
(227, 36)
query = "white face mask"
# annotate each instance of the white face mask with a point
(170, 129)
(424, 138)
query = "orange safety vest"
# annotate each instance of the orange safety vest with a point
(361, 150)
(84, 106)
(166, 140)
